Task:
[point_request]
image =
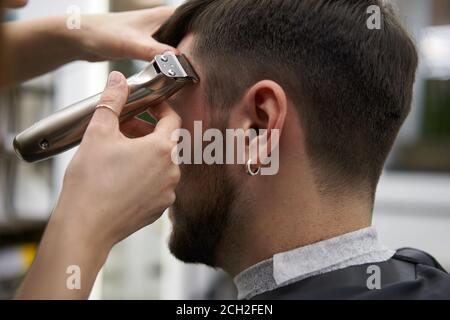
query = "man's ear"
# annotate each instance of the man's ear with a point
(262, 108)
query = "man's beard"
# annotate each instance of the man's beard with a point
(201, 213)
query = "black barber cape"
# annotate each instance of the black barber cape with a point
(410, 274)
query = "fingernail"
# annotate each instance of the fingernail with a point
(114, 78)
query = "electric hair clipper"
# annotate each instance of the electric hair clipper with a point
(63, 130)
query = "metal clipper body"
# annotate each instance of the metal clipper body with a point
(63, 130)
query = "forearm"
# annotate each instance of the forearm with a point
(38, 46)
(64, 246)
(100, 203)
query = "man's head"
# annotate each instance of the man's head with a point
(264, 63)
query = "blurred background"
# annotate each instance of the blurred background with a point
(413, 201)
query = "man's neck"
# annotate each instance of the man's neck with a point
(282, 219)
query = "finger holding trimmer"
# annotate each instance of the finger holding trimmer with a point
(163, 77)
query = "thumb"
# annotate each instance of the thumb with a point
(114, 96)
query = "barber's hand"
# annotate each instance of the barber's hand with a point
(114, 186)
(14, 3)
(122, 35)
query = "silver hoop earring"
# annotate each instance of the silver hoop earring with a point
(249, 169)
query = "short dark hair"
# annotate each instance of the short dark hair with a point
(352, 85)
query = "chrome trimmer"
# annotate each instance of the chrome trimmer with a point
(63, 130)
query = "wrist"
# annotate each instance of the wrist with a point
(80, 36)
(69, 225)
(67, 36)
(63, 247)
